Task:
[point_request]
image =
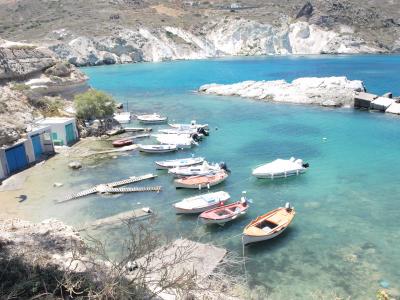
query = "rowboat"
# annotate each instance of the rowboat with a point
(123, 117)
(222, 214)
(122, 142)
(183, 162)
(199, 182)
(281, 168)
(193, 124)
(200, 203)
(269, 225)
(152, 119)
(157, 148)
(198, 170)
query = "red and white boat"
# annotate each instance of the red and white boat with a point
(199, 182)
(226, 213)
(122, 142)
(200, 203)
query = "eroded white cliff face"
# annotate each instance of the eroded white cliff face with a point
(325, 91)
(225, 38)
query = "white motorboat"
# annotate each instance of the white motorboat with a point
(193, 125)
(198, 170)
(281, 168)
(157, 148)
(152, 119)
(123, 117)
(200, 203)
(181, 141)
(201, 132)
(182, 162)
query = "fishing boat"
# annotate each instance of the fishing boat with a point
(123, 117)
(193, 124)
(200, 203)
(222, 214)
(199, 182)
(182, 162)
(201, 132)
(122, 142)
(181, 141)
(198, 170)
(281, 168)
(157, 148)
(269, 225)
(152, 119)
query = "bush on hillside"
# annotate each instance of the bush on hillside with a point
(94, 104)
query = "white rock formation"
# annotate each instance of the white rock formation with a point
(328, 91)
(225, 38)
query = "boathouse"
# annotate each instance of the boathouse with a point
(41, 143)
(63, 130)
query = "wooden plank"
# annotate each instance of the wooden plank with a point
(118, 219)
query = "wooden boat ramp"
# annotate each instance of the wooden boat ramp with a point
(113, 188)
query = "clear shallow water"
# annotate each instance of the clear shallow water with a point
(345, 236)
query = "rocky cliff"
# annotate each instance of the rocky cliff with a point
(30, 77)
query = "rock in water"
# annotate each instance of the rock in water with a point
(326, 91)
(75, 165)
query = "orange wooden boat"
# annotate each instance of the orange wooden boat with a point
(122, 142)
(199, 182)
(269, 225)
(225, 213)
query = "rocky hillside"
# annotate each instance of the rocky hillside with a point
(122, 31)
(32, 82)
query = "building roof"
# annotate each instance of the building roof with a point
(57, 120)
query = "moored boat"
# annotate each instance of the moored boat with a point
(122, 142)
(222, 214)
(182, 162)
(199, 182)
(193, 125)
(123, 117)
(157, 148)
(181, 141)
(281, 168)
(200, 203)
(152, 119)
(198, 170)
(269, 225)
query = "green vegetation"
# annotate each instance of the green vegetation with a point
(20, 87)
(50, 107)
(94, 104)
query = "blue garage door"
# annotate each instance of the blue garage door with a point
(69, 129)
(37, 146)
(16, 158)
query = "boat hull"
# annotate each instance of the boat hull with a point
(179, 184)
(166, 166)
(277, 175)
(156, 150)
(196, 210)
(248, 239)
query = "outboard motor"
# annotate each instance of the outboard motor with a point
(288, 206)
(203, 131)
(224, 166)
(195, 137)
(306, 165)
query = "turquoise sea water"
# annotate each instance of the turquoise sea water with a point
(345, 237)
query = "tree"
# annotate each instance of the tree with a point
(94, 104)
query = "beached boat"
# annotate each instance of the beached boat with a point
(269, 225)
(181, 141)
(198, 170)
(281, 168)
(152, 119)
(123, 117)
(200, 203)
(157, 148)
(193, 125)
(122, 142)
(222, 214)
(182, 162)
(199, 182)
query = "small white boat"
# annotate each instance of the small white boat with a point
(198, 170)
(268, 226)
(152, 119)
(157, 148)
(193, 125)
(201, 132)
(182, 162)
(198, 204)
(123, 117)
(281, 168)
(181, 141)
